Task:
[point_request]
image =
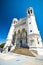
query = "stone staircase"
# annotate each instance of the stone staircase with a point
(24, 51)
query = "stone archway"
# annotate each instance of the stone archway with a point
(18, 35)
(14, 38)
(24, 40)
(18, 38)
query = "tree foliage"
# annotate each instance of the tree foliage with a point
(2, 45)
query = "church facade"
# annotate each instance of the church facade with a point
(24, 32)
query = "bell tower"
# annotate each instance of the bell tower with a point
(30, 12)
(32, 30)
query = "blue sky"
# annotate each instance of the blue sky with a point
(17, 8)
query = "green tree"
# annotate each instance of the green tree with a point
(2, 45)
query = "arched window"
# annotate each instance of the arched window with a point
(31, 11)
(38, 40)
(15, 22)
(28, 12)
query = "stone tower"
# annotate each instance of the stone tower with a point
(34, 39)
(9, 40)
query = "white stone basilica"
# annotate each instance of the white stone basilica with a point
(24, 32)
